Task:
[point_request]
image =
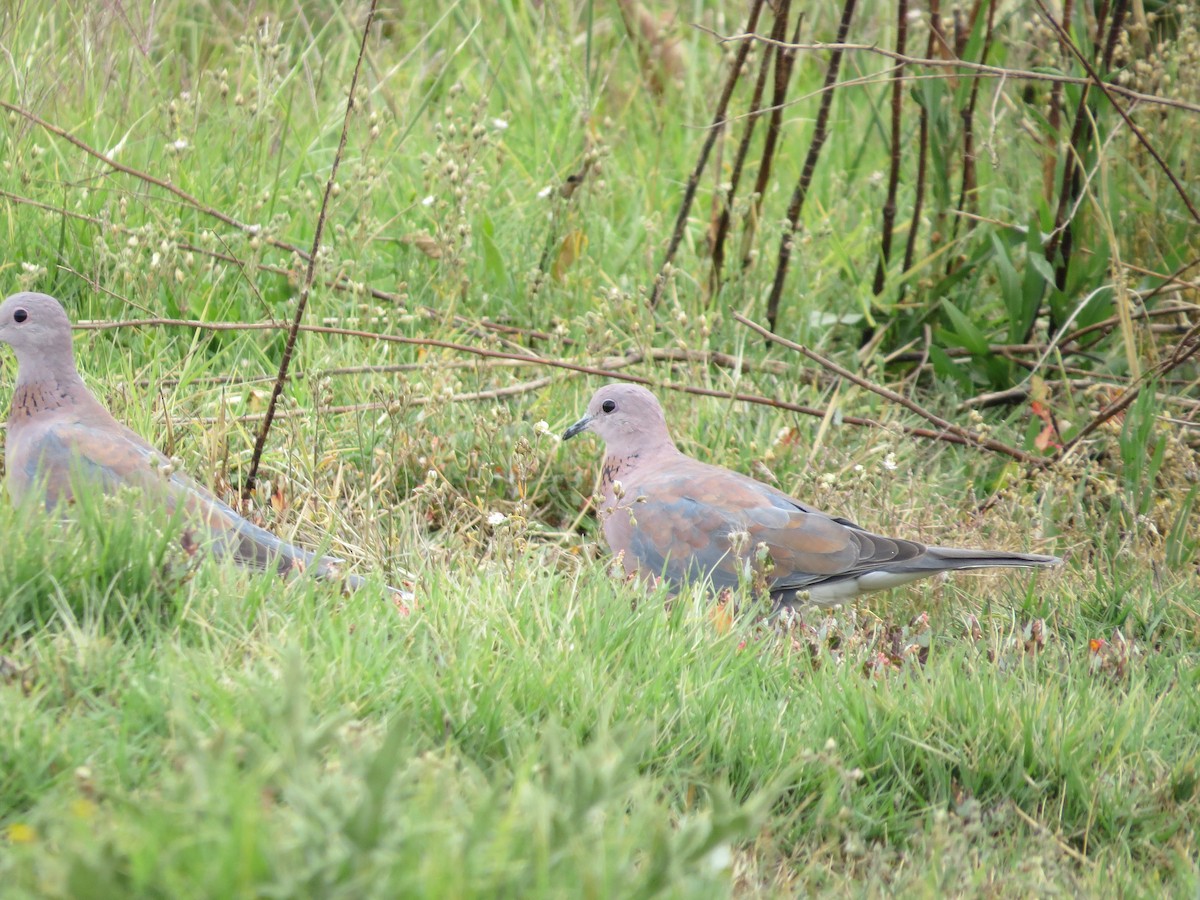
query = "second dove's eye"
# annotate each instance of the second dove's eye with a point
(608, 405)
(20, 316)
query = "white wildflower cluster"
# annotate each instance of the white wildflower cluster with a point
(30, 273)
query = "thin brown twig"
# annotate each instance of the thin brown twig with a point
(340, 284)
(967, 188)
(1032, 366)
(914, 228)
(966, 436)
(1108, 93)
(1113, 321)
(344, 284)
(1054, 121)
(1187, 347)
(1087, 382)
(1172, 279)
(889, 205)
(977, 69)
(666, 354)
(820, 133)
(598, 371)
(784, 61)
(399, 403)
(689, 192)
(1061, 242)
(739, 159)
(144, 176)
(329, 326)
(484, 352)
(655, 354)
(58, 210)
(1175, 279)
(382, 369)
(310, 274)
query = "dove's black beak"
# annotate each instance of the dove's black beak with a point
(581, 425)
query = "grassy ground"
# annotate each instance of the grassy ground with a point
(175, 727)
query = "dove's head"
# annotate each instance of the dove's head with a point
(627, 417)
(37, 328)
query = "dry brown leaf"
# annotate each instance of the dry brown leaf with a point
(424, 242)
(569, 250)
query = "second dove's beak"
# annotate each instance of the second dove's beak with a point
(579, 426)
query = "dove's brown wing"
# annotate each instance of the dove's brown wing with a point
(112, 456)
(684, 524)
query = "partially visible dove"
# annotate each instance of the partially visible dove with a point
(666, 515)
(57, 430)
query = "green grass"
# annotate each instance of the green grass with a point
(176, 727)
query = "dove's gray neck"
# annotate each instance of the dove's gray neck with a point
(46, 382)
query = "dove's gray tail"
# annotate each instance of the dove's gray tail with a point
(232, 535)
(930, 562)
(943, 559)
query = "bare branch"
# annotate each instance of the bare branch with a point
(948, 427)
(980, 69)
(310, 274)
(693, 181)
(1107, 91)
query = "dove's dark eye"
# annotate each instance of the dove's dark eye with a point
(20, 316)
(608, 406)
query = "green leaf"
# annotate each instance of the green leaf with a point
(945, 367)
(965, 332)
(1039, 264)
(493, 259)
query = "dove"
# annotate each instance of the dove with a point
(57, 430)
(668, 516)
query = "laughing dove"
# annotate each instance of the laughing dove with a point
(669, 516)
(57, 430)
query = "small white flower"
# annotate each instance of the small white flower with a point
(889, 462)
(495, 518)
(719, 858)
(500, 124)
(180, 144)
(428, 201)
(545, 192)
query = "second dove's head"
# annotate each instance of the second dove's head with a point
(35, 326)
(626, 416)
